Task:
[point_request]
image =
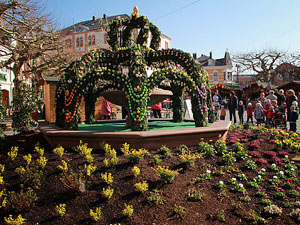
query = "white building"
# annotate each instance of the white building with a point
(6, 81)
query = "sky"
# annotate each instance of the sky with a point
(201, 26)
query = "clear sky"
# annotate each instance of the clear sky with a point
(204, 25)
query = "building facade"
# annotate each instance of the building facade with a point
(218, 70)
(6, 81)
(84, 36)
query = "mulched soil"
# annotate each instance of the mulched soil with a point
(216, 207)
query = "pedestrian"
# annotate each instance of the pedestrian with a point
(106, 109)
(232, 105)
(249, 112)
(290, 98)
(262, 99)
(156, 110)
(258, 113)
(270, 117)
(241, 110)
(280, 97)
(271, 96)
(293, 118)
(216, 101)
(222, 113)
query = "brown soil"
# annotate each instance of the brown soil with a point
(210, 210)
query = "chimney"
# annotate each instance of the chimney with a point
(210, 55)
(105, 16)
(195, 55)
(94, 18)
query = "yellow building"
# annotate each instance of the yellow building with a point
(218, 70)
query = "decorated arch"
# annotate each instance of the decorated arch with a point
(100, 69)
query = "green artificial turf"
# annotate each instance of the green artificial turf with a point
(121, 127)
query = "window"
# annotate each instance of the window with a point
(225, 77)
(215, 76)
(166, 44)
(77, 42)
(91, 40)
(79, 29)
(81, 42)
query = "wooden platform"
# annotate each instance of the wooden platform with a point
(137, 139)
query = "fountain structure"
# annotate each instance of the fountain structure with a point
(102, 70)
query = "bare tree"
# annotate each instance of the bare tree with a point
(29, 40)
(262, 62)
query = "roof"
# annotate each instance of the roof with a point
(93, 24)
(51, 80)
(295, 85)
(209, 61)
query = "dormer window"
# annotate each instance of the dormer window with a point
(79, 29)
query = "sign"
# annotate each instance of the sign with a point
(2, 77)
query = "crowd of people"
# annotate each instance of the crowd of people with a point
(276, 109)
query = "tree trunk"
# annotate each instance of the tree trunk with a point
(178, 106)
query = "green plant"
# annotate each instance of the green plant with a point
(3, 198)
(220, 185)
(265, 201)
(239, 188)
(195, 195)
(157, 159)
(166, 174)
(128, 210)
(236, 147)
(60, 209)
(273, 210)
(262, 172)
(242, 176)
(179, 211)
(207, 149)
(12, 154)
(59, 151)
(287, 204)
(221, 215)
(249, 164)
(257, 219)
(241, 154)
(19, 220)
(165, 151)
(136, 171)
(189, 158)
(112, 158)
(296, 214)
(141, 186)
(220, 147)
(258, 130)
(274, 167)
(25, 102)
(293, 193)
(107, 177)
(228, 158)
(76, 178)
(252, 184)
(134, 155)
(96, 216)
(22, 200)
(108, 192)
(155, 197)
(280, 195)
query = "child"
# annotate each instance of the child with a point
(270, 116)
(293, 119)
(259, 113)
(250, 111)
(241, 110)
(223, 112)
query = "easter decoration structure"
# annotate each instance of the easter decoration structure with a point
(134, 52)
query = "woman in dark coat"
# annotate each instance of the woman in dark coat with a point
(289, 101)
(232, 105)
